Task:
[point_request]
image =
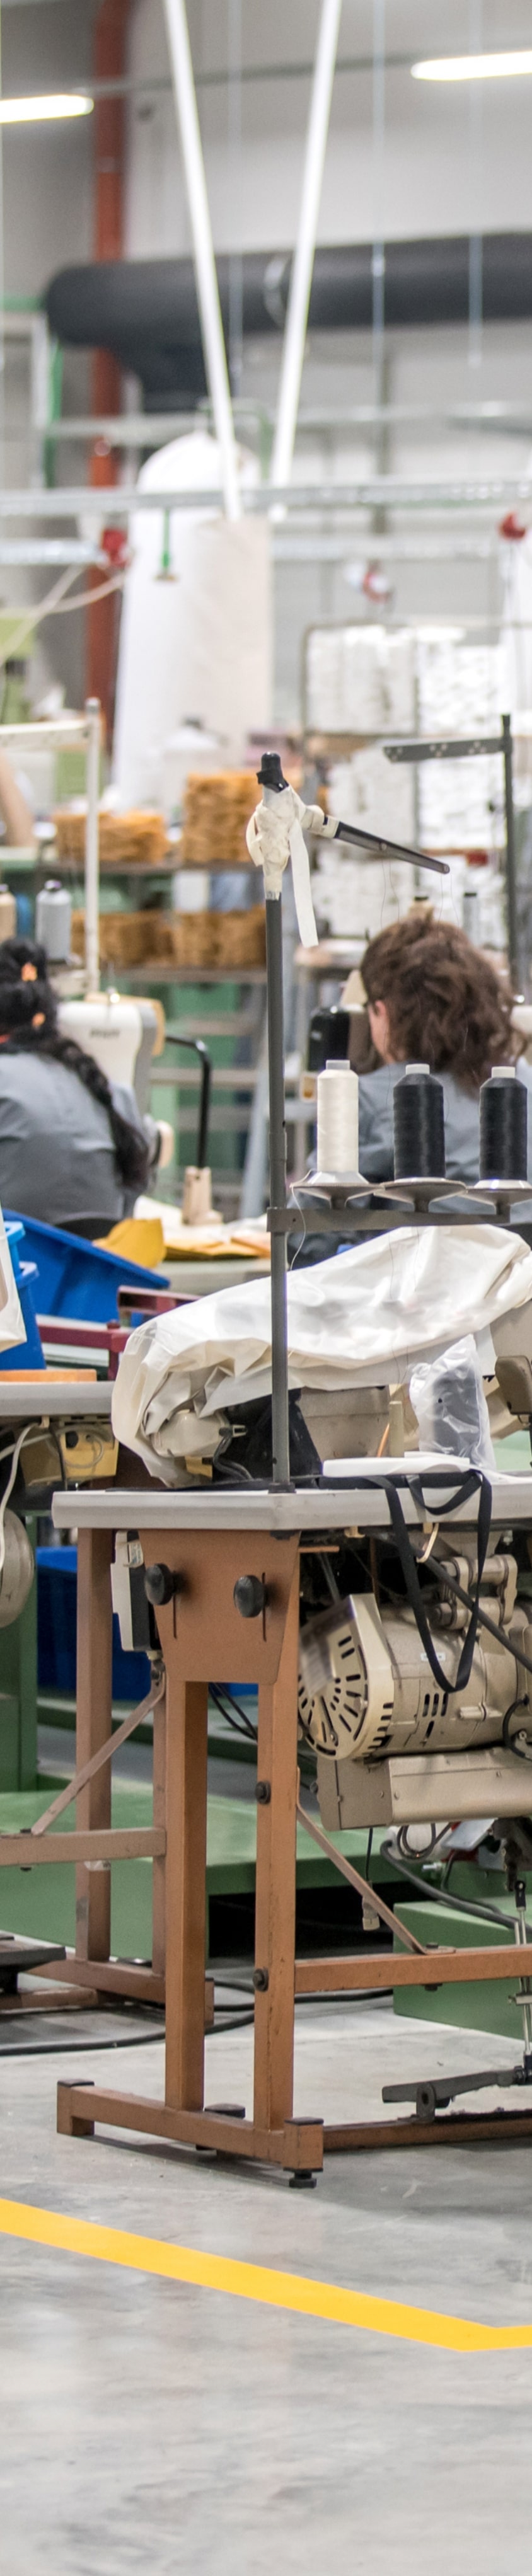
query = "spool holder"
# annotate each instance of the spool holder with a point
(347, 1195)
(280, 1216)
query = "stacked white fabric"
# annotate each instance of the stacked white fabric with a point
(460, 691)
(361, 679)
(356, 897)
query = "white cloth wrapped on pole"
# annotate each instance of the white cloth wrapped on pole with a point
(275, 836)
(363, 1318)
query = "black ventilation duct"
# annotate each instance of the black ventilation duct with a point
(145, 311)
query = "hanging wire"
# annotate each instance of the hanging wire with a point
(56, 605)
(234, 138)
(2, 286)
(377, 254)
(475, 168)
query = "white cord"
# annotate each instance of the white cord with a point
(89, 598)
(56, 605)
(30, 617)
(19, 1444)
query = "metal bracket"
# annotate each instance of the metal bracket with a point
(279, 1220)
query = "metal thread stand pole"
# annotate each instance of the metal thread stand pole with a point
(277, 1211)
(512, 930)
(92, 847)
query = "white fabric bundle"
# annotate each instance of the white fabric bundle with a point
(275, 835)
(362, 1319)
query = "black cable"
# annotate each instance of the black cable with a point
(239, 1711)
(234, 1985)
(240, 2021)
(330, 1578)
(456, 1904)
(240, 1724)
(230, 1721)
(83, 2047)
(500, 1634)
(511, 1742)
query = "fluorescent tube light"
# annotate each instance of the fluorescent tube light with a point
(37, 111)
(468, 67)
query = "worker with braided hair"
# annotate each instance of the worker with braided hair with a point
(71, 1143)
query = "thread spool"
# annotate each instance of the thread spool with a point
(418, 1126)
(337, 1132)
(328, 1037)
(503, 1126)
(53, 919)
(8, 913)
(471, 915)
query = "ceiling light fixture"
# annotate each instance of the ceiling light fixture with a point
(468, 67)
(35, 111)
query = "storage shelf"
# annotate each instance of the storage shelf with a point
(225, 1077)
(158, 974)
(134, 868)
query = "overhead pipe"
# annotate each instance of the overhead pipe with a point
(204, 261)
(366, 492)
(146, 311)
(301, 275)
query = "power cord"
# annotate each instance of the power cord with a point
(234, 1715)
(462, 1904)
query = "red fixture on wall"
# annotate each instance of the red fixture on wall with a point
(109, 129)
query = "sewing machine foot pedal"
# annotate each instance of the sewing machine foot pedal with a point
(429, 2098)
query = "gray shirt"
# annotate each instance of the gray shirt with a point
(57, 1154)
(462, 1119)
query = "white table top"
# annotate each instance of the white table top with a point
(331, 1508)
(200, 1278)
(54, 1399)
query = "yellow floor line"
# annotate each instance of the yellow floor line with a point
(290, 2290)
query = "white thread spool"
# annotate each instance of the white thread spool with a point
(337, 1132)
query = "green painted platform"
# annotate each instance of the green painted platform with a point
(474, 2007)
(41, 1902)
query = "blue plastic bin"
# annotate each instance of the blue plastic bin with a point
(75, 1278)
(57, 1569)
(28, 1354)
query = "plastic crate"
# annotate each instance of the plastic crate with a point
(77, 1278)
(28, 1354)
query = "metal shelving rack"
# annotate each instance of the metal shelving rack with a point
(60, 733)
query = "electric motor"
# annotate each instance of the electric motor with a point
(17, 1572)
(366, 1688)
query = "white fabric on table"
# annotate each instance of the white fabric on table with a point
(361, 1319)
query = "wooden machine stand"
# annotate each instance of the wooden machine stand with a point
(205, 1638)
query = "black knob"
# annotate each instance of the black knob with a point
(160, 1584)
(249, 1596)
(270, 773)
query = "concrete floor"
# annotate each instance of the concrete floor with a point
(151, 2426)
